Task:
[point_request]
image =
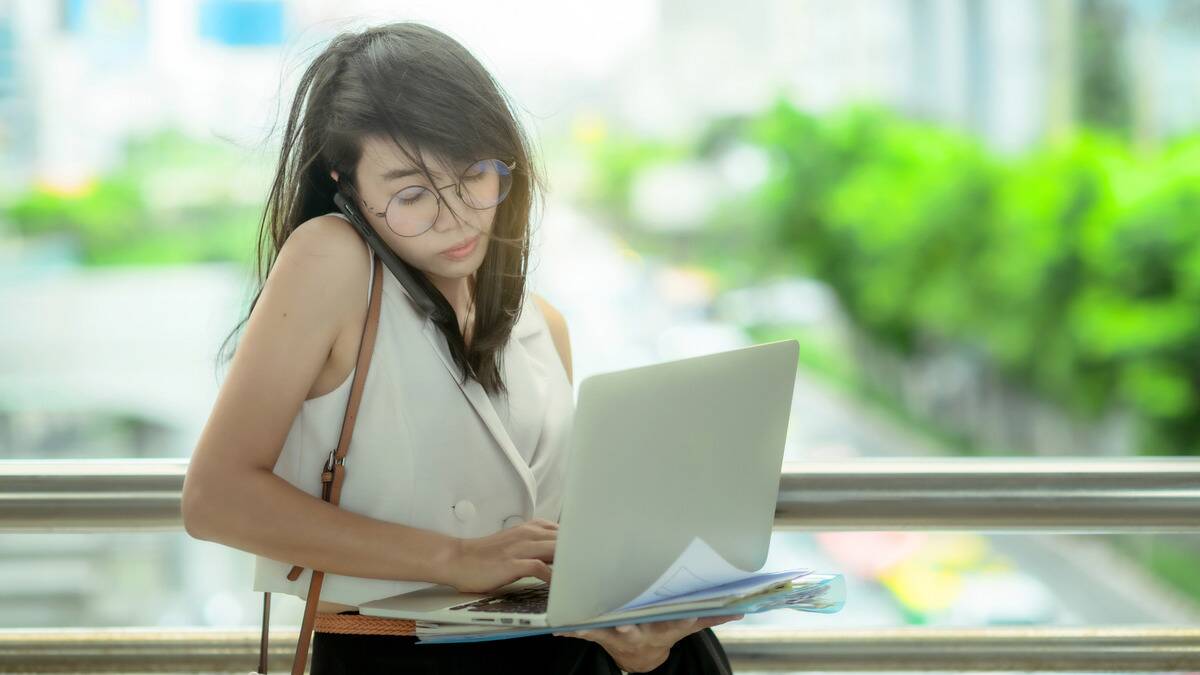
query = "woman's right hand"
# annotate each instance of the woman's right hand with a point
(483, 564)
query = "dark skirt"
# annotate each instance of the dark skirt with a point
(343, 654)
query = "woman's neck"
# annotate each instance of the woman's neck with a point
(460, 293)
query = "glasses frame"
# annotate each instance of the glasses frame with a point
(437, 194)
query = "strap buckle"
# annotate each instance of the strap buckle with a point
(332, 459)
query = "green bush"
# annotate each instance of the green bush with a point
(1074, 268)
(172, 200)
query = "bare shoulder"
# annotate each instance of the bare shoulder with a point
(334, 257)
(288, 337)
(331, 237)
(558, 332)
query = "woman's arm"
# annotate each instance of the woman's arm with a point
(231, 494)
(261, 513)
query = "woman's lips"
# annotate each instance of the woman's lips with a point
(462, 252)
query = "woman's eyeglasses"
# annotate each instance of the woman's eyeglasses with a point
(413, 210)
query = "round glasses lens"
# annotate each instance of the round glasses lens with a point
(486, 183)
(412, 211)
(483, 185)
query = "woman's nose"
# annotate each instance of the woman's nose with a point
(454, 213)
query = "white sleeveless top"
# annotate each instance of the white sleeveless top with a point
(427, 452)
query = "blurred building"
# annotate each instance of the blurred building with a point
(78, 76)
(1005, 70)
(17, 117)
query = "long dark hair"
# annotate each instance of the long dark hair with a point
(425, 91)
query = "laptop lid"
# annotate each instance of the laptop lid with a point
(664, 453)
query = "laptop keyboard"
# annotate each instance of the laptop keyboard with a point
(530, 600)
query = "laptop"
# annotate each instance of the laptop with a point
(658, 456)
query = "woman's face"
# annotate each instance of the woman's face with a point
(378, 181)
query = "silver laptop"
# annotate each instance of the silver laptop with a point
(658, 455)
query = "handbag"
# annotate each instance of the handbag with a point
(332, 476)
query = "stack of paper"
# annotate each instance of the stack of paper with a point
(699, 583)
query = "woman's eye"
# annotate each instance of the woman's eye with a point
(410, 195)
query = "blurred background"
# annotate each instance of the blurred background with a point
(980, 219)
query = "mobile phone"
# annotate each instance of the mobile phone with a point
(400, 269)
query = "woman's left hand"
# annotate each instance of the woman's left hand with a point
(642, 647)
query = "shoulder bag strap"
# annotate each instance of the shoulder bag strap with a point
(332, 475)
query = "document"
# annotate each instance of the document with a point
(814, 592)
(698, 583)
(700, 573)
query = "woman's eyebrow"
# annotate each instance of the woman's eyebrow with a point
(393, 174)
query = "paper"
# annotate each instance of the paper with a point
(699, 573)
(824, 593)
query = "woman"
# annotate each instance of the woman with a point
(458, 451)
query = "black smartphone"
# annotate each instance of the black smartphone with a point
(400, 269)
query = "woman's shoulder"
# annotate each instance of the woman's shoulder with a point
(557, 325)
(328, 236)
(330, 233)
(324, 245)
(554, 318)
(331, 247)
(328, 258)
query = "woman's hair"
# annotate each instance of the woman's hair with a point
(421, 88)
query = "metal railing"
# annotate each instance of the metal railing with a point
(1074, 495)
(1069, 495)
(1133, 648)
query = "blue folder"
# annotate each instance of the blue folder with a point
(822, 593)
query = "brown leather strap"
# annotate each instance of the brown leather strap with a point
(334, 471)
(359, 624)
(332, 475)
(262, 645)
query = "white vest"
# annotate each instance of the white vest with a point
(427, 452)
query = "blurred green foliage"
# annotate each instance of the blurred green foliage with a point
(1073, 268)
(170, 200)
(623, 156)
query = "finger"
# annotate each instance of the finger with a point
(531, 533)
(540, 550)
(538, 533)
(610, 636)
(671, 630)
(710, 621)
(727, 617)
(671, 625)
(534, 568)
(688, 626)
